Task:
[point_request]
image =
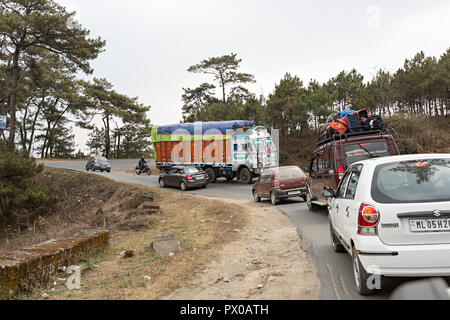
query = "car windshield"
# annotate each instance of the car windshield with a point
(289, 173)
(426, 180)
(192, 170)
(101, 160)
(366, 150)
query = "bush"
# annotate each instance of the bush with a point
(409, 147)
(18, 193)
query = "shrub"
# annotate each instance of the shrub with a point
(17, 192)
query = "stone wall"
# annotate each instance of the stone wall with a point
(21, 270)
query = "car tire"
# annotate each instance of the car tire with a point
(335, 242)
(205, 186)
(361, 276)
(162, 184)
(256, 198)
(149, 172)
(246, 176)
(183, 186)
(273, 199)
(212, 175)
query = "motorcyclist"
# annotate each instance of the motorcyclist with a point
(142, 163)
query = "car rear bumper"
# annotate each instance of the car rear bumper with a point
(280, 194)
(196, 184)
(102, 168)
(404, 261)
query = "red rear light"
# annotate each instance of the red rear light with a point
(368, 220)
(207, 176)
(190, 178)
(276, 183)
(341, 170)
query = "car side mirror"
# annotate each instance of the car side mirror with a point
(307, 169)
(329, 193)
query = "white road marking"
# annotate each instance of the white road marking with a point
(334, 284)
(343, 284)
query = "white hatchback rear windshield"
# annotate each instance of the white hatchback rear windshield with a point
(426, 180)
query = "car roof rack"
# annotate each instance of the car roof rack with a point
(381, 132)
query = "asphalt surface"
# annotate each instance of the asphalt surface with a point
(333, 269)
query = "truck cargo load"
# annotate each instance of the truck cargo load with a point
(224, 149)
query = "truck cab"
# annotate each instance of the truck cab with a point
(253, 151)
(333, 156)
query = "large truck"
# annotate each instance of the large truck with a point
(226, 149)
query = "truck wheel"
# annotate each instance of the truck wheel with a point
(246, 176)
(212, 175)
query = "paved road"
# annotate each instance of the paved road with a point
(334, 270)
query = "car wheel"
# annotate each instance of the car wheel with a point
(256, 198)
(273, 199)
(335, 242)
(205, 186)
(212, 175)
(149, 172)
(361, 276)
(87, 169)
(162, 184)
(246, 176)
(183, 186)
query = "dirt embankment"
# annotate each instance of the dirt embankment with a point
(230, 250)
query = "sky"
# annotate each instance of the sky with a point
(151, 43)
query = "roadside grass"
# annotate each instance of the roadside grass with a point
(203, 227)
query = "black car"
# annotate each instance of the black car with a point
(98, 163)
(184, 178)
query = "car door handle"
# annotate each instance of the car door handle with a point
(348, 211)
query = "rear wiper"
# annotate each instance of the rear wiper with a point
(371, 155)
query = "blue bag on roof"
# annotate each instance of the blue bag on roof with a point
(344, 113)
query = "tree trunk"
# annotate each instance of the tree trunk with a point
(12, 102)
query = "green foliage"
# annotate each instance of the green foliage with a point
(407, 146)
(17, 191)
(31, 29)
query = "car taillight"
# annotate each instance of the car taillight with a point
(276, 183)
(190, 178)
(207, 176)
(368, 220)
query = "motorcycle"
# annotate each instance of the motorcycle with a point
(145, 169)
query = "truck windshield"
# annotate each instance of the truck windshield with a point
(363, 151)
(412, 181)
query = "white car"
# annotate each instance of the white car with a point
(392, 215)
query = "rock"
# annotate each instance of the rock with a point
(147, 278)
(256, 262)
(239, 275)
(127, 254)
(171, 254)
(260, 287)
(166, 243)
(226, 279)
(237, 230)
(45, 296)
(276, 273)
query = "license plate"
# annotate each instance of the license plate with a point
(429, 225)
(294, 193)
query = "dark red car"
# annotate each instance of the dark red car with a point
(281, 183)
